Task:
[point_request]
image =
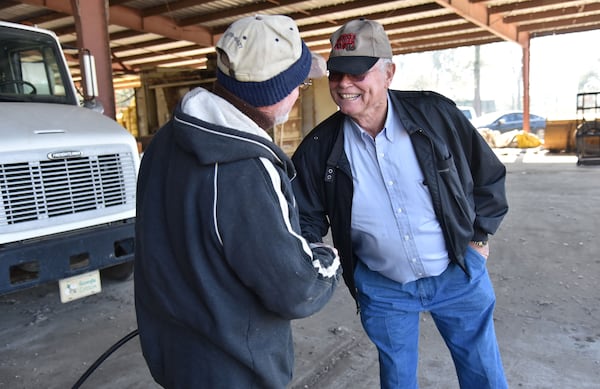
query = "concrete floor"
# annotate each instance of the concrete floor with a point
(544, 264)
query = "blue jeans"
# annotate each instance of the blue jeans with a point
(461, 308)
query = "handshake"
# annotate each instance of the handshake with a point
(326, 260)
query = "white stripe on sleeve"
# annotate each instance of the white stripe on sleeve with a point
(276, 180)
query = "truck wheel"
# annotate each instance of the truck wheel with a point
(121, 272)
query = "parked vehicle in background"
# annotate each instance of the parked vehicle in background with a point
(510, 120)
(469, 112)
(67, 173)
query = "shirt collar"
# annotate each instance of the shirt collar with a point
(390, 121)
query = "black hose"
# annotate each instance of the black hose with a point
(102, 357)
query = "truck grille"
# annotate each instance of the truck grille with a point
(46, 189)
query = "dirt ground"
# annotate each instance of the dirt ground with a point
(544, 263)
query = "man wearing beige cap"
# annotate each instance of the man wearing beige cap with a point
(221, 267)
(411, 192)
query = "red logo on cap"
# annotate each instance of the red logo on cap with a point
(346, 42)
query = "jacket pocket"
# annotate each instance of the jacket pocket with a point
(454, 199)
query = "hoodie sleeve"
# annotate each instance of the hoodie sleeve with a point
(257, 222)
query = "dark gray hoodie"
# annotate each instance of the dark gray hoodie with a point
(221, 267)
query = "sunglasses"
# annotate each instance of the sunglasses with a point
(338, 76)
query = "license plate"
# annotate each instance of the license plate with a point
(79, 286)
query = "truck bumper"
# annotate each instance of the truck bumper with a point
(37, 261)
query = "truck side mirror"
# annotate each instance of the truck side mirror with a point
(89, 81)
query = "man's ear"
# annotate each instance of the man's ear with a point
(390, 70)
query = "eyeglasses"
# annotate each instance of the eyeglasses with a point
(338, 76)
(306, 84)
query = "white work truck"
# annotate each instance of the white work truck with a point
(67, 174)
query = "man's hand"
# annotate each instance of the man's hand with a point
(484, 250)
(326, 260)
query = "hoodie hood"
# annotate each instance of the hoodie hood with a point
(215, 131)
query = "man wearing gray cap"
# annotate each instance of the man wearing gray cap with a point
(411, 192)
(220, 265)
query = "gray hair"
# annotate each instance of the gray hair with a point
(383, 63)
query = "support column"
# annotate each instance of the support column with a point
(91, 23)
(526, 63)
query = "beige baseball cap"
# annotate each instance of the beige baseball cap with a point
(357, 45)
(262, 59)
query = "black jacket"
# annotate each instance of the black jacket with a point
(464, 176)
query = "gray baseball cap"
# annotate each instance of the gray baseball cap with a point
(357, 45)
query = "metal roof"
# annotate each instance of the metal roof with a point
(181, 33)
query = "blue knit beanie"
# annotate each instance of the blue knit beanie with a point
(261, 59)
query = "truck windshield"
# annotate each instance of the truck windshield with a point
(31, 68)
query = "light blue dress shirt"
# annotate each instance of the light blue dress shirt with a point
(394, 228)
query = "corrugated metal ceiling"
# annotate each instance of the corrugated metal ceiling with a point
(146, 33)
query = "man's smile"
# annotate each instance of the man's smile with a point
(349, 96)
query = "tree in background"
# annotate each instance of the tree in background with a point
(590, 81)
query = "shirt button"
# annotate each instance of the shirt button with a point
(390, 183)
